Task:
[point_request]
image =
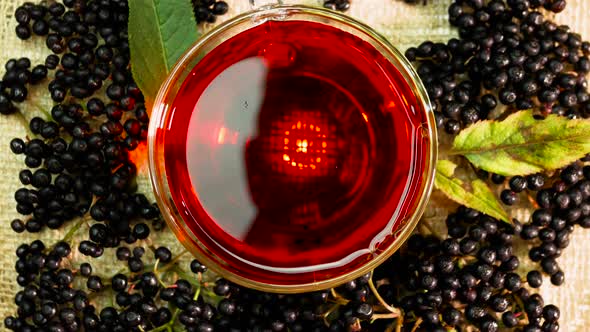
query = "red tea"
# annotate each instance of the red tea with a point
(294, 151)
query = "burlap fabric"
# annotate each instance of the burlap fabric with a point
(403, 24)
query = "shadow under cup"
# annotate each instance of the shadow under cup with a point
(292, 149)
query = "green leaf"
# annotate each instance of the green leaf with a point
(474, 194)
(522, 145)
(160, 31)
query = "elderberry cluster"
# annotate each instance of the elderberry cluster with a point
(77, 158)
(508, 54)
(208, 10)
(77, 155)
(468, 278)
(562, 206)
(59, 297)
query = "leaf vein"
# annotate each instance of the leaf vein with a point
(518, 145)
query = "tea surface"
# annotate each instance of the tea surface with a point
(294, 150)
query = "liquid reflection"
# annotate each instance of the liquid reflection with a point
(223, 120)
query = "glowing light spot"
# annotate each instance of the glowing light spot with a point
(221, 135)
(404, 99)
(366, 118)
(302, 146)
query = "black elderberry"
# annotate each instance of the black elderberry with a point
(40, 28)
(94, 283)
(474, 313)
(17, 146)
(551, 313)
(141, 231)
(467, 246)
(508, 197)
(23, 31)
(17, 226)
(469, 115)
(547, 235)
(22, 15)
(163, 254)
(38, 73)
(549, 265)
(98, 233)
(507, 96)
(535, 181)
(487, 255)
(119, 282)
(452, 127)
(197, 267)
(504, 253)
(516, 74)
(138, 252)
(221, 7)
(90, 249)
(512, 281)
(135, 264)
(534, 308)
(510, 264)
(452, 110)
(226, 307)
(518, 184)
(558, 278)
(489, 324)
(542, 217)
(85, 269)
(18, 93)
(509, 319)
(498, 179)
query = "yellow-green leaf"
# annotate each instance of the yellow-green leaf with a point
(160, 31)
(474, 194)
(522, 145)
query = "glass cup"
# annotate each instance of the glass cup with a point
(267, 188)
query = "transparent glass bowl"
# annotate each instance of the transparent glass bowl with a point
(192, 229)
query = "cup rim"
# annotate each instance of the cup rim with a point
(158, 174)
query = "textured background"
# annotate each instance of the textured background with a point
(403, 24)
